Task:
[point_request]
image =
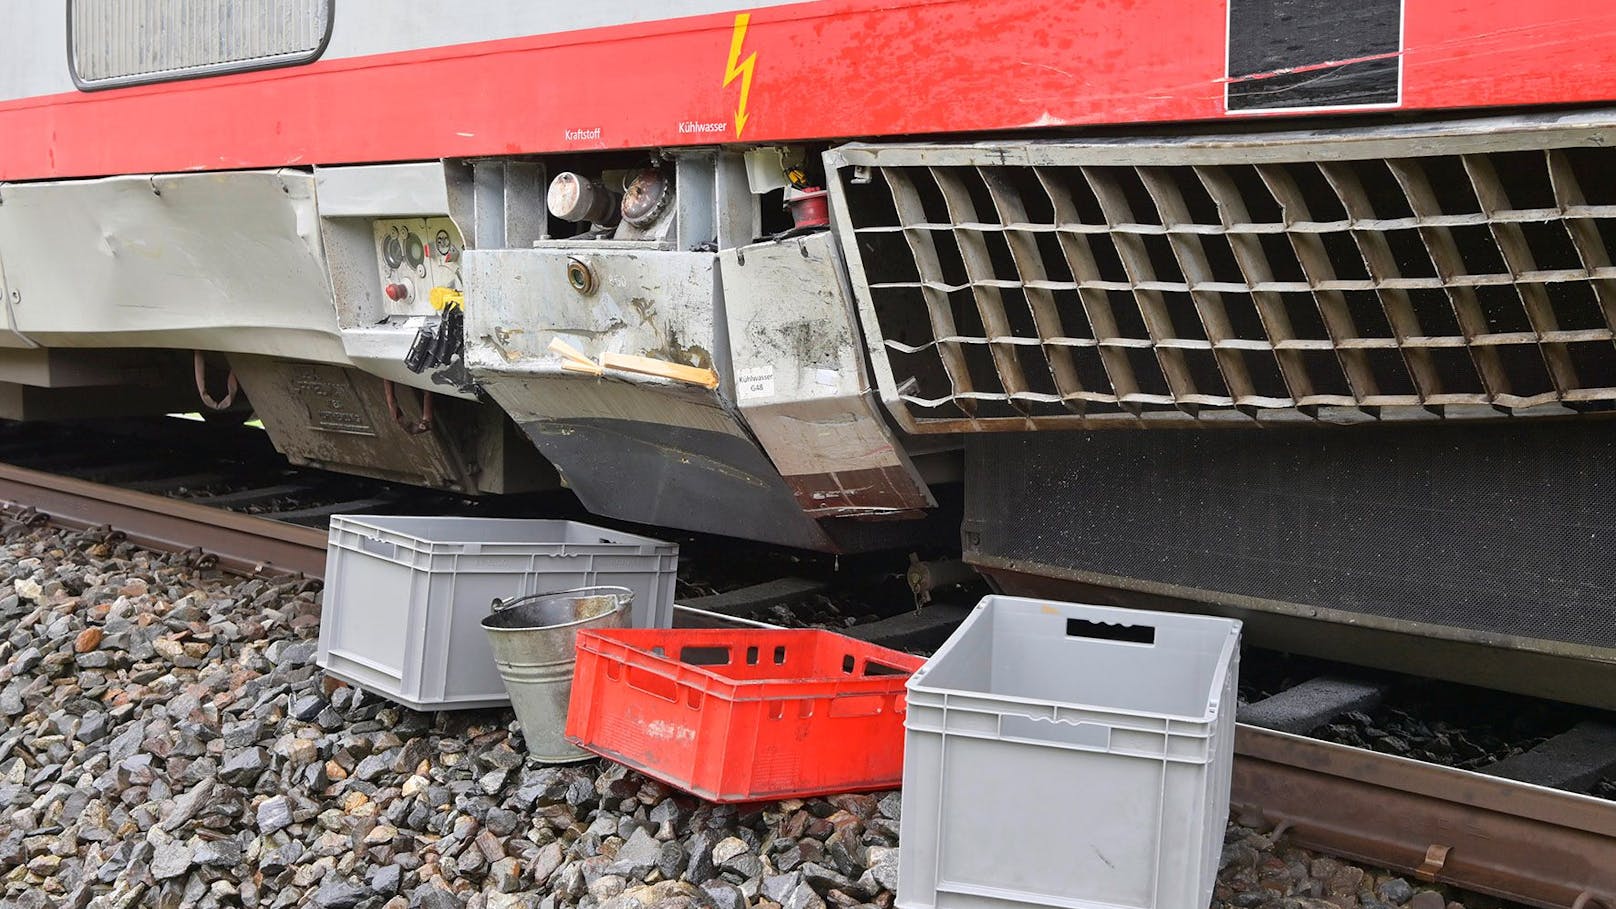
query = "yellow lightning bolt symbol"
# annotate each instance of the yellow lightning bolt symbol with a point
(742, 69)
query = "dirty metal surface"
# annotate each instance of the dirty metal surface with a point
(683, 446)
(240, 542)
(337, 417)
(1517, 841)
(675, 476)
(1364, 274)
(645, 302)
(800, 381)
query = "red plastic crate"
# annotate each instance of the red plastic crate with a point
(736, 715)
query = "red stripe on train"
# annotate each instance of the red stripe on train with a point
(827, 69)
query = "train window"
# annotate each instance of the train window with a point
(113, 43)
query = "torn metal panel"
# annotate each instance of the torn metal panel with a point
(220, 261)
(1413, 272)
(801, 385)
(639, 448)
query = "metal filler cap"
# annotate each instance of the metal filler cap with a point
(646, 197)
(575, 198)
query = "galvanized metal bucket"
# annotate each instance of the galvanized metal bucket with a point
(534, 641)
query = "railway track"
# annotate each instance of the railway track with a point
(1488, 833)
(242, 543)
(1505, 838)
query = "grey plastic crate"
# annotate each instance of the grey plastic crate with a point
(404, 595)
(1058, 754)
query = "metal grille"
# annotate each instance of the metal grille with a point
(126, 42)
(1405, 272)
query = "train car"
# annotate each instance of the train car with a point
(1275, 308)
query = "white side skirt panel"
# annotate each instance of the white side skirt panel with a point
(228, 262)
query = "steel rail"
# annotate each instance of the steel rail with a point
(1480, 833)
(240, 543)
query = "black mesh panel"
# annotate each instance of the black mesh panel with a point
(1503, 529)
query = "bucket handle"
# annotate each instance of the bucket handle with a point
(500, 605)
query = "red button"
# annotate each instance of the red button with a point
(397, 291)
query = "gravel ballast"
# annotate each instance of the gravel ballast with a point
(167, 740)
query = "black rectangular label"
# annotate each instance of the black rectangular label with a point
(1313, 53)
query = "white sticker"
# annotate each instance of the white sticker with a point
(754, 382)
(818, 382)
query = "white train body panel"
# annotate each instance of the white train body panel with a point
(227, 262)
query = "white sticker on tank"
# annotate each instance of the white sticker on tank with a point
(818, 382)
(754, 382)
